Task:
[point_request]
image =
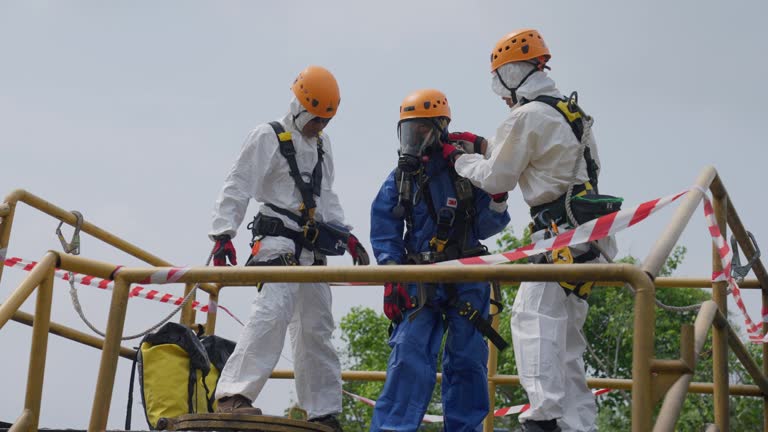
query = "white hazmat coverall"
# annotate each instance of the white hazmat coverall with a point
(261, 172)
(536, 148)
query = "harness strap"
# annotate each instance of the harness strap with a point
(288, 259)
(574, 116)
(263, 226)
(466, 310)
(308, 190)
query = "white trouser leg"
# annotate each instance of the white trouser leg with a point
(580, 408)
(316, 363)
(539, 326)
(261, 342)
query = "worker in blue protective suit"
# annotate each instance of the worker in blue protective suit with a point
(444, 218)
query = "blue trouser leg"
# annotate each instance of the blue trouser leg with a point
(410, 373)
(465, 370)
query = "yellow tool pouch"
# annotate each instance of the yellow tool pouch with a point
(178, 372)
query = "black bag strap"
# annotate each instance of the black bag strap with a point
(129, 409)
(308, 190)
(574, 116)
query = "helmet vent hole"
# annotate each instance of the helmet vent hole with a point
(499, 49)
(514, 40)
(530, 35)
(523, 41)
(427, 104)
(315, 103)
(506, 48)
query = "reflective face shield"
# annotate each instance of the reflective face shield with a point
(417, 138)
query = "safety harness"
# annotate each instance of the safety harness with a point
(453, 226)
(586, 203)
(263, 225)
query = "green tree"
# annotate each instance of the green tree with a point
(609, 331)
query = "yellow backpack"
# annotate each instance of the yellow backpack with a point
(178, 372)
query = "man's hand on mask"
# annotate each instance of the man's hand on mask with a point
(470, 142)
(451, 153)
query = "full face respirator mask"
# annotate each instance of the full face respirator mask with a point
(418, 139)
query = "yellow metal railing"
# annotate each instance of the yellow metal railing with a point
(652, 378)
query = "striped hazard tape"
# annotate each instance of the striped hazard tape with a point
(591, 231)
(136, 291)
(726, 258)
(501, 412)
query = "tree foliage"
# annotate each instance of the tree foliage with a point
(608, 330)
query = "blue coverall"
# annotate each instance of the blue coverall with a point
(415, 344)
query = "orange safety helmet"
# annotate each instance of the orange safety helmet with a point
(427, 103)
(317, 91)
(520, 45)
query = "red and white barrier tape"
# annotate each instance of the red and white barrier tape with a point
(591, 231)
(726, 257)
(136, 291)
(501, 412)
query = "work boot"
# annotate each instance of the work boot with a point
(329, 420)
(540, 426)
(236, 404)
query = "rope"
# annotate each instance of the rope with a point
(574, 223)
(73, 247)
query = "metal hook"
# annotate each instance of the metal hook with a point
(72, 247)
(738, 271)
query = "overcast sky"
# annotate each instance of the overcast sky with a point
(133, 113)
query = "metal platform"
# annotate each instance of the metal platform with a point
(238, 422)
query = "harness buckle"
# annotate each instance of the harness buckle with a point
(446, 216)
(270, 226)
(310, 232)
(437, 244)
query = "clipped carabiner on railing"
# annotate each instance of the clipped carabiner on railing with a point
(738, 271)
(73, 246)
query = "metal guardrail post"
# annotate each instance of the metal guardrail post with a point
(188, 313)
(737, 227)
(37, 356)
(720, 333)
(643, 349)
(667, 241)
(109, 355)
(210, 317)
(675, 397)
(25, 289)
(23, 422)
(5, 228)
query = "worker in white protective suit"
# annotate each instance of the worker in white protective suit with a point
(287, 166)
(546, 146)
